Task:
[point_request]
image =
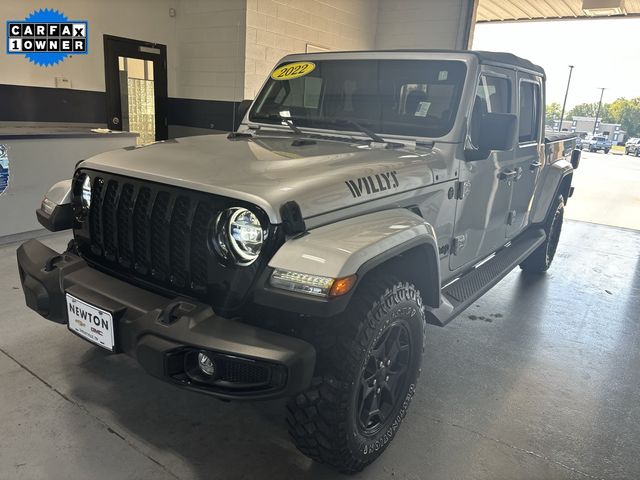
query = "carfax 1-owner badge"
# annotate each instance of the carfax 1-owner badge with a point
(46, 37)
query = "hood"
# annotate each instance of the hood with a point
(270, 170)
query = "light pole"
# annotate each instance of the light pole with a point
(565, 98)
(595, 124)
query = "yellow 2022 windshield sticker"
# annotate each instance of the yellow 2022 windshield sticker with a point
(293, 70)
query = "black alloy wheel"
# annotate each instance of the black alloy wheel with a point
(384, 378)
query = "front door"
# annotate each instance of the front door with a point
(136, 84)
(529, 152)
(481, 213)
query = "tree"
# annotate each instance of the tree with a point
(627, 113)
(583, 110)
(553, 112)
(622, 111)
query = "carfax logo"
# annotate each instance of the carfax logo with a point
(4, 168)
(47, 37)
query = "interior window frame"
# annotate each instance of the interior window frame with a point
(488, 73)
(535, 139)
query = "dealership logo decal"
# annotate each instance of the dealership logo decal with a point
(46, 37)
(4, 168)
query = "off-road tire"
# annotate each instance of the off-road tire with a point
(540, 260)
(325, 421)
(606, 150)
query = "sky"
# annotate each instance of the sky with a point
(604, 52)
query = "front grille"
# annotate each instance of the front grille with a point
(160, 234)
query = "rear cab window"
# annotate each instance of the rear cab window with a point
(530, 112)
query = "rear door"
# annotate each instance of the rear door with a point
(481, 213)
(529, 154)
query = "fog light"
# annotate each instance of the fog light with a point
(206, 364)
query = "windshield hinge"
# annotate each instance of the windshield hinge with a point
(463, 189)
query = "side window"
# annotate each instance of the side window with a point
(495, 93)
(528, 129)
(492, 96)
(312, 92)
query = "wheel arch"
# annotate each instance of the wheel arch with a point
(396, 238)
(557, 181)
(565, 186)
(415, 262)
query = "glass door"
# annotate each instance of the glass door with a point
(136, 82)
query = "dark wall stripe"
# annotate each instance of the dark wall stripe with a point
(215, 114)
(39, 104)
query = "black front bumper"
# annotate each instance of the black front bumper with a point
(164, 334)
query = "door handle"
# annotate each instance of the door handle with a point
(535, 165)
(508, 174)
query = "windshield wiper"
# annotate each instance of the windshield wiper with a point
(361, 128)
(289, 121)
(283, 120)
(370, 133)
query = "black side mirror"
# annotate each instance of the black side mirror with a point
(497, 131)
(575, 158)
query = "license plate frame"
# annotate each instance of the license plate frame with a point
(90, 322)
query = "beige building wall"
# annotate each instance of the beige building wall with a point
(210, 46)
(140, 19)
(276, 28)
(224, 49)
(444, 24)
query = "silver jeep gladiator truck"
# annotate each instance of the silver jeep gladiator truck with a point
(364, 196)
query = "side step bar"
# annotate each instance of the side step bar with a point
(459, 294)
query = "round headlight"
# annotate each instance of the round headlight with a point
(86, 192)
(239, 235)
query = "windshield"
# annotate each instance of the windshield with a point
(399, 97)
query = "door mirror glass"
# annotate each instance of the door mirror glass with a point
(496, 131)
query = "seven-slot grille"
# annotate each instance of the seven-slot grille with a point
(158, 233)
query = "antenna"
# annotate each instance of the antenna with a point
(235, 82)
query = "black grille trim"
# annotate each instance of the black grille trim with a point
(160, 235)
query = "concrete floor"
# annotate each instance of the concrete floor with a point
(540, 379)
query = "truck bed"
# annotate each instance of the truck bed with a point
(558, 145)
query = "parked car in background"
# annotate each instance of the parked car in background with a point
(632, 147)
(599, 143)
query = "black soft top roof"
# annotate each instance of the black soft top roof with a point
(507, 58)
(499, 58)
(496, 58)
